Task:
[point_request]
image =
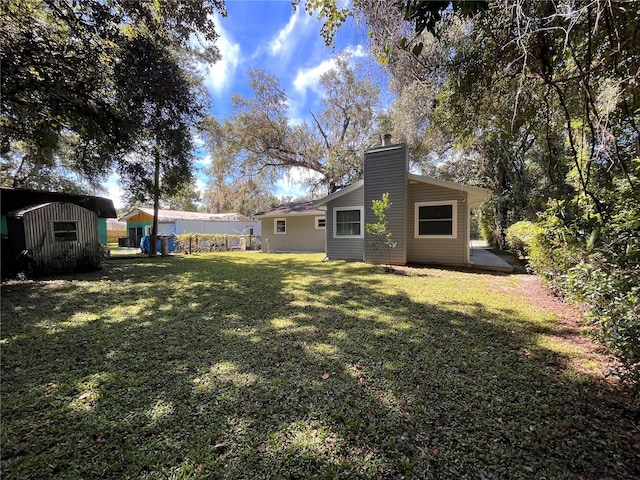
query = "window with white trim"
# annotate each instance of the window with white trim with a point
(65, 231)
(280, 226)
(347, 222)
(321, 223)
(436, 219)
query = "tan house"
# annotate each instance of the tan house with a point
(293, 227)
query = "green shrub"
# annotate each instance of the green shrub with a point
(595, 262)
(520, 236)
(613, 297)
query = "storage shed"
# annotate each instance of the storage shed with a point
(57, 236)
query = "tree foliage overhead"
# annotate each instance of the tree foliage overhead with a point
(67, 71)
(259, 140)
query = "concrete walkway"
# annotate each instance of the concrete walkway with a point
(485, 260)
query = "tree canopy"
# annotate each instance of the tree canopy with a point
(67, 74)
(258, 139)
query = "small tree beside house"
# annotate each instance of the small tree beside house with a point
(380, 230)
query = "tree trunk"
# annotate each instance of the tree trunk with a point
(502, 207)
(156, 200)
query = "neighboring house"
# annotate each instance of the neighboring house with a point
(293, 227)
(13, 199)
(57, 236)
(140, 222)
(428, 218)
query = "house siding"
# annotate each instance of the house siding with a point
(301, 235)
(385, 171)
(448, 251)
(345, 248)
(102, 231)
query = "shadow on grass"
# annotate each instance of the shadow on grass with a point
(223, 366)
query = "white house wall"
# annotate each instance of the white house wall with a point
(217, 228)
(166, 228)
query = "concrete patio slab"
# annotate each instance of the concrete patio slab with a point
(485, 260)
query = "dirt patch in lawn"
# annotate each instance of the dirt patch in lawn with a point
(571, 330)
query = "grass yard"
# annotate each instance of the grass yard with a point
(279, 366)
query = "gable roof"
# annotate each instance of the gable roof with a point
(172, 215)
(292, 208)
(476, 195)
(339, 193)
(13, 199)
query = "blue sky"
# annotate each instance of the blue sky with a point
(287, 44)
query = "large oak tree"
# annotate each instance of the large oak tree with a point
(258, 139)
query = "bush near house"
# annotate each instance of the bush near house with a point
(593, 262)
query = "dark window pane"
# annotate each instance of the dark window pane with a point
(438, 227)
(348, 216)
(348, 222)
(65, 231)
(348, 229)
(66, 236)
(281, 226)
(436, 212)
(64, 226)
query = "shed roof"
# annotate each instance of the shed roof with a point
(172, 215)
(292, 208)
(13, 199)
(22, 211)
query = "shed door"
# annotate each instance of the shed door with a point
(135, 235)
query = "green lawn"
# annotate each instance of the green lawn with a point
(266, 366)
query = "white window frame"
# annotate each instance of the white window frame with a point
(53, 230)
(335, 218)
(275, 226)
(454, 219)
(317, 223)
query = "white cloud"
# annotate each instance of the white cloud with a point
(201, 185)
(198, 141)
(114, 191)
(220, 75)
(357, 51)
(287, 39)
(309, 78)
(204, 161)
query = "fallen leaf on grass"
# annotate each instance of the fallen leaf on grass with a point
(325, 375)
